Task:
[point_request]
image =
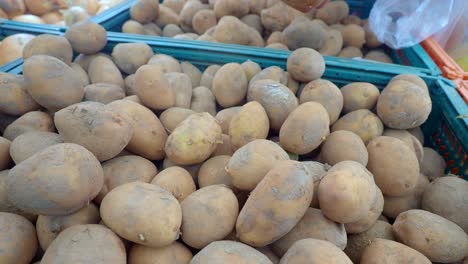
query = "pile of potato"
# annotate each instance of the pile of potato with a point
(135, 157)
(331, 30)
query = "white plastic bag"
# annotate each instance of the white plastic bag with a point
(404, 23)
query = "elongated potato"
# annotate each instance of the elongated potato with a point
(194, 140)
(362, 122)
(31, 121)
(343, 145)
(165, 16)
(174, 253)
(32, 184)
(144, 11)
(270, 211)
(249, 124)
(129, 57)
(18, 242)
(86, 37)
(225, 116)
(203, 100)
(127, 208)
(103, 70)
(173, 116)
(369, 220)
(359, 95)
(327, 94)
(213, 172)
(230, 85)
(229, 252)
(314, 251)
(387, 251)
(45, 44)
(182, 87)
(176, 180)
(15, 99)
(28, 144)
(153, 88)
(249, 164)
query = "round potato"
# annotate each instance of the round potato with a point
(225, 116)
(84, 60)
(353, 35)
(32, 184)
(362, 122)
(31, 121)
(49, 227)
(182, 87)
(303, 33)
(85, 244)
(176, 180)
(103, 93)
(251, 69)
(343, 145)
(90, 123)
(18, 242)
(279, 46)
(433, 164)
(230, 85)
(28, 144)
(394, 166)
(86, 37)
(208, 75)
(129, 57)
(249, 164)
(174, 253)
(172, 30)
(55, 46)
(314, 251)
(378, 55)
(249, 124)
(411, 141)
(203, 100)
(213, 172)
(144, 11)
(327, 94)
(187, 13)
(167, 63)
(306, 65)
(82, 74)
(274, 73)
(359, 95)
(229, 252)
(173, 116)
(387, 251)
(103, 70)
(127, 208)
(166, 16)
(278, 15)
(153, 88)
(333, 44)
(369, 220)
(270, 211)
(133, 27)
(204, 20)
(231, 8)
(412, 79)
(231, 30)
(15, 100)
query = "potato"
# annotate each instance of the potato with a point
(357, 243)
(327, 94)
(231, 30)
(166, 16)
(153, 88)
(85, 244)
(45, 44)
(347, 192)
(304, 33)
(278, 16)
(85, 60)
(359, 95)
(187, 36)
(171, 30)
(11, 47)
(18, 242)
(371, 39)
(378, 55)
(235, 8)
(278, 46)
(343, 145)
(5, 205)
(129, 57)
(132, 98)
(333, 44)
(412, 79)
(31, 185)
(446, 197)
(86, 37)
(103, 70)
(167, 63)
(387, 251)
(208, 75)
(133, 27)
(224, 148)
(277, 100)
(182, 87)
(31, 121)
(394, 206)
(249, 124)
(314, 251)
(129, 85)
(270, 211)
(52, 83)
(362, 122)
(175, 5)
(103, 93)
(49, 227)
(174, 253)
(204, 20)
(353, 35)
(275, 37)
(203, 100)
(253, 21)
(229, 252)
(192, 169)
(350, 52)
(312, 225)
(3, 14)
(412, 142)
(369, 220)
(333, 12)
(230, 85)
(173, 116)
(394, 166)
(15, 99)
(144, 11)
(305, 128)
(213, 172)
(269, 254)
(437, 238)
(28, 144)
(176, 180)
(194, 140)
(193, 72)
(305, 65)
(75, 15)
(413, 100)
(225, 116)
(351, 19)
(251, 163)
(82, 74)
(433, 164)
(13, 7)
(148, 136)
(126, 213)
(274, 73)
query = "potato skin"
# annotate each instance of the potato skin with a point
(18, 242)
(124, 56)
(203, 100)
(103, 93)
(229, 252)
(144, 11)
(103, 70)
(225, 116)
(394, 166)
(28, 144)
(344, 145)
(230, 85)
(278, 16)
(305, 33)
(85, 244)
(306, 65)
(127, 208)
(5, 159)
(86, 37)
(173, 116)
(433, 164)
(31, 121)
(51, 82)
(194, 140)
(15, 99)
(208, 75)
(359, 95)
(314, 251)
(153, 88)
(249, 164)
(213, 172)
(174, 253)
(362, 122)
(387, 251)
(249, 124)
(327, 94)
(55, 46)
(32, 184)
(193, 72)
(286, 191)
(369, 220)
(182, 86)
(176, 180)
(437, 238)
(274, 73)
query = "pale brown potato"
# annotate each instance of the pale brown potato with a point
(253, 21)
(350, 52)
(362, 122)
(353, 36)
(127, 208)
(303, 33)
(279, 46)
(188, 12)
(274, 73)
(439, 239)
(173, 116)
(18, 242)
(369, 220)
(5, 159)
(306, 65)
(103, 70)
(133, 98)
(387, 251)
(333, 44)
(152, 29)
(129, 57)
(153, 88)
(249, 124)
(225, 116)
(32, 184)
(312, 225)
(224, 148)
(175, 5)
(13, 7)
(172, 30)
(193, 72)
(333, 12)
(133, 27)
(30, 143)
(103, 93)
(5, 205)
(46, 44)
(229, 252)
(144, 11)
(74, 15)
(148, 137)
(15, 99)
(86, 37)
(208, 75)
(394, 166)
(433, 164)
(203, 100)
(81, 73)
(371, 39)
(311, 250)
(90, 123)
(174, 253)
(11, 47)
(319, 171)
(275, 37)
(28, 19)
(85, 244)
(84, 60)
(187, 36)
(213, 172)
(231, 8)
(167, 63)
(378, 55)
(51, 82)
(412, 142)
(344, 145)
(204, 20)
(270, 211)
(359, 95)
(31, 121)
(412, 79)
(209, 215)
(192, 169)
(249, 164)
(231, 30)
(49, 227)
(278, 16)
(176, 180)
(230, 85)
(130, 84)
(166, 16)
(182, 87)
(327, 94)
